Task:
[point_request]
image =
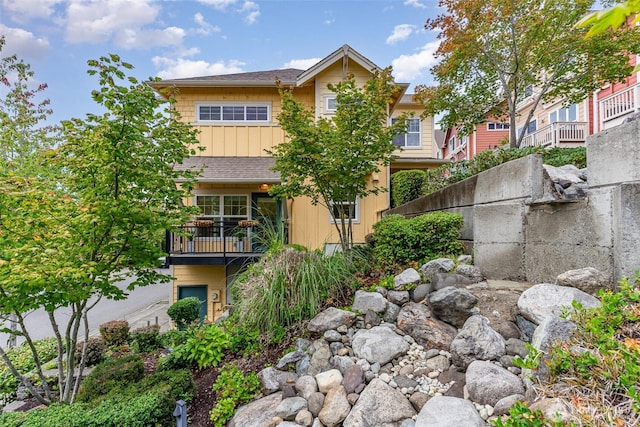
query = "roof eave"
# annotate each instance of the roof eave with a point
(329, 60)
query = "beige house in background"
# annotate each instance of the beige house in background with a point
(236, 116)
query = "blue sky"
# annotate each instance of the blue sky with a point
(173, 39)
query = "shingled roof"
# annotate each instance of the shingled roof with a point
(286, 76)
(246, 170)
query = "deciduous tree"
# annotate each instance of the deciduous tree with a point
(496, 53)
(66, 242)
(331, 160)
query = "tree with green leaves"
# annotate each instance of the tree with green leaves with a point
(613, 17)
(331, 160)
(66, 241)
(494, 54)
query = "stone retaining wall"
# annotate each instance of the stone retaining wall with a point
(515, 233)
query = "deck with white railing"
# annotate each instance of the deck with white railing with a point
(557, 134)
(618, 105)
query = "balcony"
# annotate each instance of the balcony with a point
(557, 134)
(208, 242)
(616, 107)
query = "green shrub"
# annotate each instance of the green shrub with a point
(287, 286)
(115, 333)
(521, 416)
(406, 185)
(233, 388)
(114, 373)
(146, 339)
(172, 338)
(576, 156)
(94, 354)
(22, 360)
(205, 346)
(185, 311)
(399, 240)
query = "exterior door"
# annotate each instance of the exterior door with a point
(267, 211)
(198, 291)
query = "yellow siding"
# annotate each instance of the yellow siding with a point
(211, 275)
(426, 134)
(334, 74)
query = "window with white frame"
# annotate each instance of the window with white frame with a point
(565, 114)
(222, 209)
(251, 113)
(330, 104)
(531, 127)
(452, 143)
(497, 126)
(412, 137)
(463, 139)
(345, 210)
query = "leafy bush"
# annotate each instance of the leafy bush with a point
(22, 360)
(115, 333)
(185, 311)
(406, 185)
(172, 338)
(287, 286)
(603, 354)
(205, 346)
(94, 354)
(114, 373)
(233, 388)
(399, 240)
(146, 339)
(576, 156)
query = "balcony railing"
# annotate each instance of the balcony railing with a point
(619, 104)
(218, 238)
(556, 134)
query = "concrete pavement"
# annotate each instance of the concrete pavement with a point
(155, 313)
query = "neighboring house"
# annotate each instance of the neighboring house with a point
(553, 124)
(236, 116)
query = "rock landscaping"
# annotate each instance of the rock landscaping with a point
(432, 351)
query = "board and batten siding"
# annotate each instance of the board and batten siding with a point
(211, 275)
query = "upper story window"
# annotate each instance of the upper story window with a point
(497, 126)
(452, 143)
(254, 113)
(412, 137)
(223, 210)
(568, 114)
(528, 90)
(464, 139)
(330, 104)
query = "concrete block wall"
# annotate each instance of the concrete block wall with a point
(514, 236)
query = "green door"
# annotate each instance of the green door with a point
(198, 291)
(267, 211)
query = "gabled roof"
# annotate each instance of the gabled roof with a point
(244, 170)
(287, 76)
(440, 137)
(345, 53)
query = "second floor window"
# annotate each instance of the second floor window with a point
(233, 113)
(412, 137)
(497, 126)
(568, 114)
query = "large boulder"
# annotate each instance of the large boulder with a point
(444, 411)
(331, 318)
(476, 341)
(552, 330)
(378, 345)
(487, 383)
(272, 379)
(379, 405)
(416, 320)
(588, 279)
(544, 299)
(369, 301)
(409, 277)
(440, 265)
(256, 413)
(336, 407)
(452, 305)
(442, 280)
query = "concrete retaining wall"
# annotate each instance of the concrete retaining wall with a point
(515, 235)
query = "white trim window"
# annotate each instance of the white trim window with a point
(452, 143)
(411, 139)
(494, 126)
(233, 112)
(345, 209)
(330, 104)
(568, 114)
(222, 208)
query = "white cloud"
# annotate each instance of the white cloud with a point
(182, 68)
(407, 68)
(97, 21)
(23, 43)
(302, 64)
(218, 4)
(25, 10)
(205, 27)
(415, 3)
(252, 11)
(400, 32)
(145, 39)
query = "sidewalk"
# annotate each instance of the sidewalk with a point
(155, 313)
